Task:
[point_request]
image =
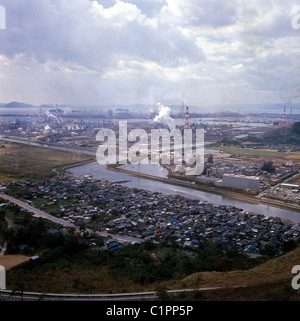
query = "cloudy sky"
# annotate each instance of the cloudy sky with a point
(202, 52)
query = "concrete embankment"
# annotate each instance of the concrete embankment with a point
(210, 189)
(88, 161)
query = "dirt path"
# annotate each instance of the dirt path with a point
(9, 261)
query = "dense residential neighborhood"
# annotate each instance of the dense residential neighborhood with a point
(119, 210)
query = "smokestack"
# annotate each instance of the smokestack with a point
(39, 114)
(28, 126)
(182, 110)
(187, 118)
(284, 116)
(73, 122)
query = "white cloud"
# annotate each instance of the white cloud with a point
(214, 13)
(130, 51)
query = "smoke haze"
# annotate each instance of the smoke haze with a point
(164, 116)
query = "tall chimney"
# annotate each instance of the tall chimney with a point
(187, 118)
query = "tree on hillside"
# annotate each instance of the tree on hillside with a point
(296, 128)
(3, 226)
(268, 166)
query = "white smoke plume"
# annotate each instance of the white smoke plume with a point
(48, 114)
(164, 116)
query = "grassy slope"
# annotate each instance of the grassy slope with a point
(68, 277)
(275, 270)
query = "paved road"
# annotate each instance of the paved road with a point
(121, 238)
(63, 222)
(7, 295)
(36, 211)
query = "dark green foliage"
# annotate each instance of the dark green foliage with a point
(289, 245)
(296, 128)
(227, 141)
(282, 135)
(283, 293)
(268, 166)
(269, 250)
(3, 226)
(30, 235)
(162, 293)
(138, 263)
(144, 263)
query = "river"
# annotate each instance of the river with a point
(101, 172)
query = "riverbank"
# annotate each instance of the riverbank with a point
(210, 189)
(78, 164)
(265, 207)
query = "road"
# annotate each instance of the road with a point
(7, 295)
(42, 214)
(37, 212)
(120, 238)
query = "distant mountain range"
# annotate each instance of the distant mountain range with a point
(261, 108)
(15, 104)
(276, 108)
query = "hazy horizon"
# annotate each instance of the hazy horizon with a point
(147, 109)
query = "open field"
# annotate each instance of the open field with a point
(259, 155)
(9, 261)
(258, 152)
(21, 162)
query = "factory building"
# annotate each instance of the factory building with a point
(294, 187)
(239, 181)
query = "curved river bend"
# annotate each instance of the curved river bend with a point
(101, 172)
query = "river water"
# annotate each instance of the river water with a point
(101, 172)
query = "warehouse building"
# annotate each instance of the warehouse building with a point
(239, 181)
